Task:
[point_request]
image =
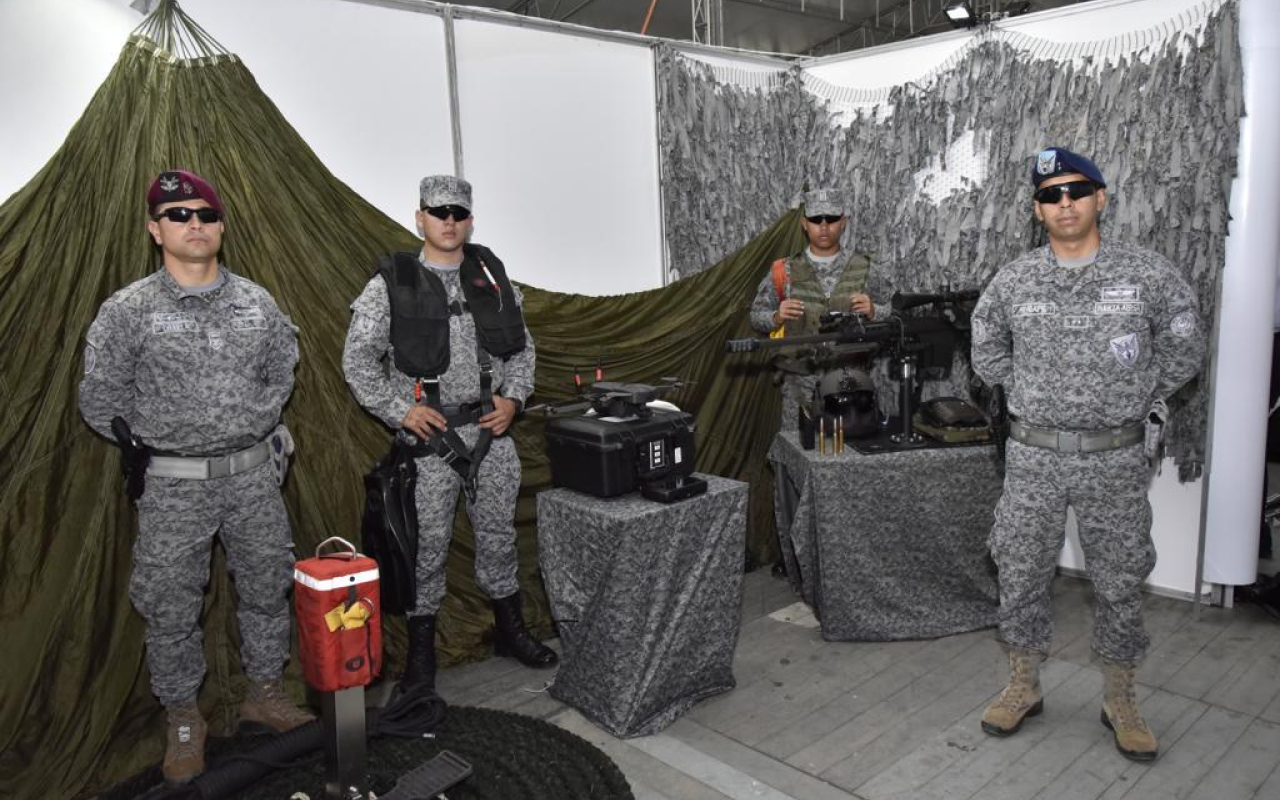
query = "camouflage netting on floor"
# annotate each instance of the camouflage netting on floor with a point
(937, 171)
(77, 710)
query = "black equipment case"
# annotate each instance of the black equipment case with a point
(609, 456)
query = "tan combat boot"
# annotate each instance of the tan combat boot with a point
(184, 744)
(1120, 712)
(268, 706)
(1018, 700)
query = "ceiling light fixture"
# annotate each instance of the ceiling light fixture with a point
(960, 13)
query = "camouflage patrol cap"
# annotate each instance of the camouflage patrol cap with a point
(177, 185)
(1053, 161)
(444, 190)
(823, 202)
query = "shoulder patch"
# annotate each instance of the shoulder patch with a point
(1183, 324)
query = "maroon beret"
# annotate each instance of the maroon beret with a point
(178, 185)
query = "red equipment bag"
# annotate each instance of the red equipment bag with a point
(339, 619)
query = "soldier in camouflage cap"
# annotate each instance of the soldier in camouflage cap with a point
(1088, 337)
(798, 290)
(464, 374)
(198, 362)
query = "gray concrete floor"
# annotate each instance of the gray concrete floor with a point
(816, 720)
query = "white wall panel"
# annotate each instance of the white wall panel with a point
(560, 143)
(54, 54)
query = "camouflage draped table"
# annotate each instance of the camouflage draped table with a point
(646, 597)
(891, 545)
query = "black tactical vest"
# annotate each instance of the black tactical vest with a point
(420, 310)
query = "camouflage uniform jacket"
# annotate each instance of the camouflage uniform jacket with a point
(1090, 347)
(816, 284)
(388, 393)
(196, 373)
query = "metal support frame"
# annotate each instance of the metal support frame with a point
(708, 21)
(455, 114)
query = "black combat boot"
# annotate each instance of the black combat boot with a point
(420, 667)
(511, 638)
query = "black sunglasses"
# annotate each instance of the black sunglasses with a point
(830, 219)
(444, 212)
(1052, 195)
(182, 215)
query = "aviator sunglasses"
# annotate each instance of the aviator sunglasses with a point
(444, 212)
(1052, 195)
(182, 215)
(830, 219)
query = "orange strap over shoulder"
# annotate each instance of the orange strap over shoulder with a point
(780, 287)
(780, 278)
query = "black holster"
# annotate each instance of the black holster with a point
(134, 458)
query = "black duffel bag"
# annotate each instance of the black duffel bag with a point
(390, 527)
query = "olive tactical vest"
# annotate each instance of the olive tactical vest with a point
(806, 287)
(420, 310)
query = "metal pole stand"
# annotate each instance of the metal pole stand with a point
(906, 377)
(344, 744)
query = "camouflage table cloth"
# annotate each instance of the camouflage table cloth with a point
(646, 597)
(891, 545)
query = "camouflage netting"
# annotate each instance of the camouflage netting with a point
(937, 171)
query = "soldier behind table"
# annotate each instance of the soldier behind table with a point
(822, 278)
(1085, 335)
(436, 380)
(199, 362)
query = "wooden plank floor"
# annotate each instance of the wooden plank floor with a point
(815, 720)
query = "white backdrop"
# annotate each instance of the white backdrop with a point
(560, 140)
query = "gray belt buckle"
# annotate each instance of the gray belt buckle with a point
(219, 467)
(1069, 441)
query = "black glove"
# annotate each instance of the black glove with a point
(134, 457)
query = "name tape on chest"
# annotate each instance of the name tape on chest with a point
(1124, 307)
(1035, 309)
(174, 322)
(248, 318)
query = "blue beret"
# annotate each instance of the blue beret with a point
(1060, 161)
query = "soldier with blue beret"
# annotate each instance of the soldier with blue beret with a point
(1089, 337)
(196, 363)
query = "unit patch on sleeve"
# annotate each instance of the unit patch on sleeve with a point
(1183, 324)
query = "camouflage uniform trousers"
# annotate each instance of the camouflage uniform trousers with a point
(796, 389)
(177, 520)
(1108, 492)
(492, 519)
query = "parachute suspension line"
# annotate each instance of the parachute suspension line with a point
(173, 31)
